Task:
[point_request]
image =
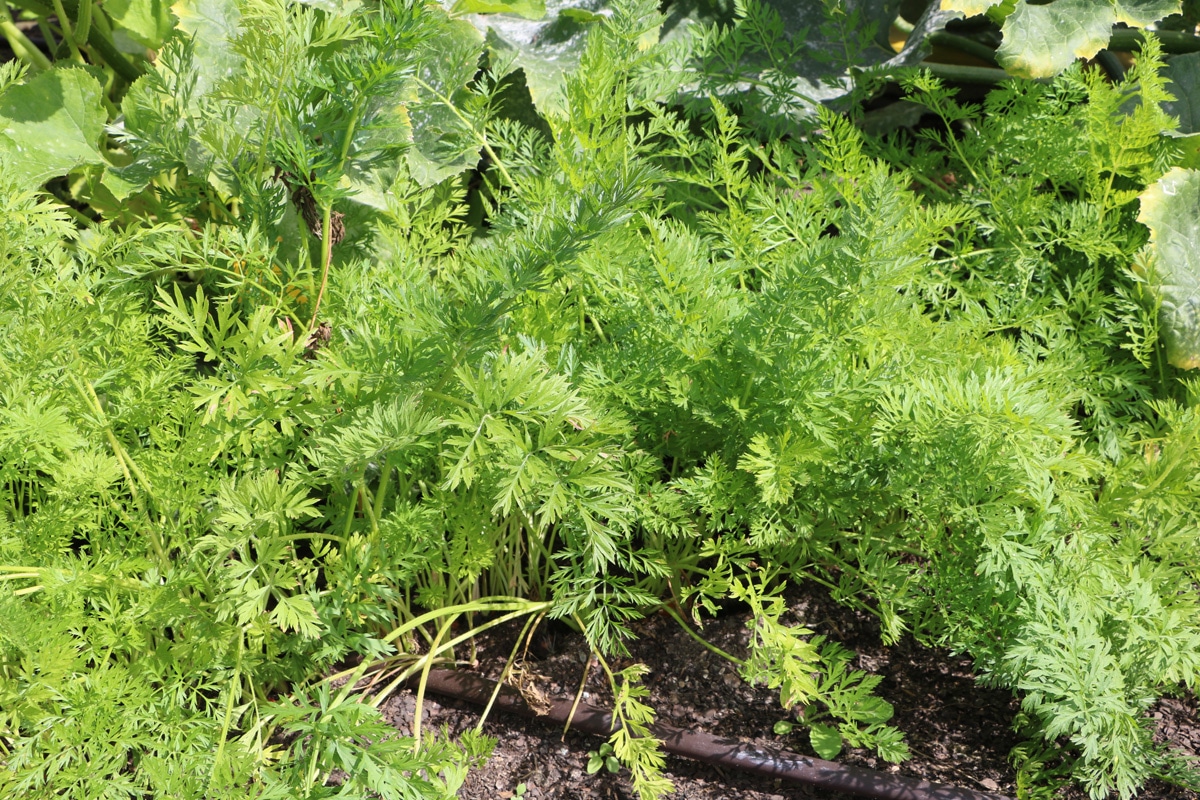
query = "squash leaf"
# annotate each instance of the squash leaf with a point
(1171, 210)
(52, 124)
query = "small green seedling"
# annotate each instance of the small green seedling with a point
(603, 759)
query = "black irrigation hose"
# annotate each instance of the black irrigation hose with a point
(714, 749)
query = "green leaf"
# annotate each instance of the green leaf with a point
(546, 49)
(783, 727)
(296, 613)
(148, 22)
(1171, 210)
(871, 710)
(1042, 41)
(1183, 76)
(213, 25)
(529, 9)
(52, 124)
(1140, 13)
(826, 741)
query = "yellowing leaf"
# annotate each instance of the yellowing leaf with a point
(1042, 41)
(968, 7)
(1171, 210)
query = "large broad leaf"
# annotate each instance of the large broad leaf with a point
(1183, 76)
(214, 26)
(786, 59)
(546, 48)
(1171, 210)
(148, 22)
(443, 143)
(52, 124)
(1140, 13)
(1042, 41)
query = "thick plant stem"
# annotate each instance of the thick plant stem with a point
(20, 44)
(68, 32)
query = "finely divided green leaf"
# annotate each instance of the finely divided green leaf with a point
(1171, 210)
(1042, 41)
(52, 124)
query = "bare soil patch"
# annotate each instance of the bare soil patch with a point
(959, 733)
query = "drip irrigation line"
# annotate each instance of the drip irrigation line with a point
(713, 749)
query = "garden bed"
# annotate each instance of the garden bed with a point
(959, 733)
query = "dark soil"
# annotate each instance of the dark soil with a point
(958, 733)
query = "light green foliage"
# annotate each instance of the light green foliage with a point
(620, 357)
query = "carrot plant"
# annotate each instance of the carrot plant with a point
(349, 345)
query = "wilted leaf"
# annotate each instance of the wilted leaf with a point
(52, 124)
(1171, 210)
(1042, 41)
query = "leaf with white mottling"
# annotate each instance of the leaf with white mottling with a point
(1042, 41)
(1171, 210)
(214, 26)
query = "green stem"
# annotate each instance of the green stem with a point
(228, 719)
(960, 73)
(964, 45)
(83, 22)
(1128, 39)
(65, 22)
(19, 43)
(707, 644)
(326, 257)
